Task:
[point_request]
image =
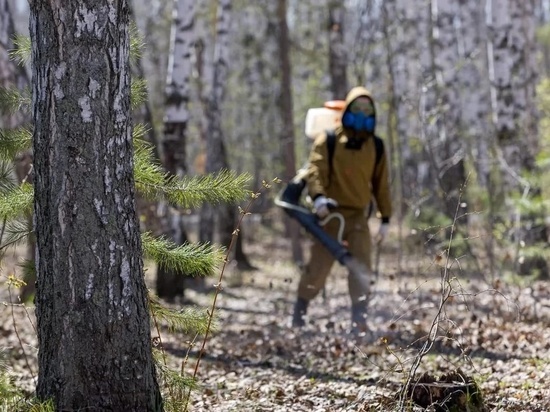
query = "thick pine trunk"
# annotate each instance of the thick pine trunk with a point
(93, 322)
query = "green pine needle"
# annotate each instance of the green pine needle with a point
(21, 54)
(188, 191)
(15, 232)
(187, 320)
(137, 42)
(138, 133)
(7, 177)
(17, 202)
(14, 141)
(154, 183)
(12, 100)
(138, 92)
(195, 259)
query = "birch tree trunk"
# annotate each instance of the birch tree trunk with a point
(216, 156)
(400, 32)
(511, 56)
(170, 283)
(474, 87)
(450, 144)
(94, 335)
(143, 114)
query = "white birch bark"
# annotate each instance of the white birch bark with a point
(180, 62)
(446, 63)
(216, 157)
(401, 34)
(170, 283)
(178, 89)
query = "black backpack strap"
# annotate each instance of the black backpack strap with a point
(331, 144)
(379, 146)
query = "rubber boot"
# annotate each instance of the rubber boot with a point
(300, 309)
(359, 317)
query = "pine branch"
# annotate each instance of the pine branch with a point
(137, 43)
(14, 141)
(7, 181)
(21, 54)
(189, 258)
(12, 100)
(154, 183)
(138, 133)
(17, 202)
(15, 232)
(138, 92)
(187, 320)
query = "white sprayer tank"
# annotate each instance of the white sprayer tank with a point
(319, 119)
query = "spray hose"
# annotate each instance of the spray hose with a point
(334, 215)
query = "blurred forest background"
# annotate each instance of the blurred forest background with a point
(463, 101)
(461, 87)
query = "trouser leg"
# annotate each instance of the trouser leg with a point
(313, 278)
(360, 275)
(317, 270)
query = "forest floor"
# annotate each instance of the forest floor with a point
(497, 334)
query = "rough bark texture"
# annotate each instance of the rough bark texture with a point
(91, 303)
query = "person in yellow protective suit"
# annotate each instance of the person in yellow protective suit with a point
(347, 186)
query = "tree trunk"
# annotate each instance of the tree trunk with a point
(170, 283)
(400, 33)
(515, 118)
(287, 138)
(449, 146)
(216, 156)
(338, 59)
(94, 335)
(143, 114)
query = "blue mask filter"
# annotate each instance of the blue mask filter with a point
(359, 121)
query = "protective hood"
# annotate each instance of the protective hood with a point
(354, 94)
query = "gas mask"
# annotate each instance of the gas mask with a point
(359, 121)
(360, 115)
